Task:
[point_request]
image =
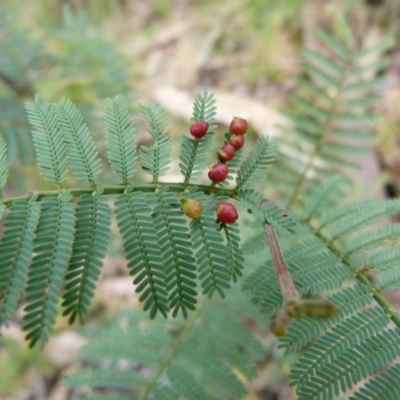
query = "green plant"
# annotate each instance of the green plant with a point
(315, 283)
(20, 56)
(166, 359)
(68, 239)
(81, 66)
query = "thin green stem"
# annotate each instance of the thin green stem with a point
(325, 131)
(380, 299)
(115, 190)
(174, 349)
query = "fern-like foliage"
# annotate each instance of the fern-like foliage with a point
(198, 358)
(195, 153)
(121, 144)
(143, 253)
(54, 241)
(156, 159)
(173, 234)
(53, 245)
(331, 115)
(252, 170)
(52, 250)
(16, 248)
(3, 163)
(327, 252)
(49, 144)
(210, 251)
(81, 152)
(92, 234)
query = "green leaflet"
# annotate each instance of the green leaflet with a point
(342, 337)
(16, 246)
(180, 264)
(48, 141)
(362, 217)
(253, 168)
(121, 146)
(92, 235)
(81, 151)
(384, 386)
(358, 362)
(156, 159)
(52, 249)
(3, 163)
(372, 239)
(142, 251)
(213, 270)
(194, 155)
(234, 254)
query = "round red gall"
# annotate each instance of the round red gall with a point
(226, 212)
(199, 129)
(238, 126)
(192, 208)
(218, 172)
(237, 141)
(226, 152)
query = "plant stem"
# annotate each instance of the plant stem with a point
(117, 189)
(380, 299)
(174, 349)
(285, 281)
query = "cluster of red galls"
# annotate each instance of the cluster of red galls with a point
(226, 212)
(237, 128)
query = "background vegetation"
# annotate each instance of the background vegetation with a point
(249, 53)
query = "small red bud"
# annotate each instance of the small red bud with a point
(226, 212)
(199, 128)
(226, 152)
(237, 141)
(192, 208)
(218, 172)
(238, 126)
